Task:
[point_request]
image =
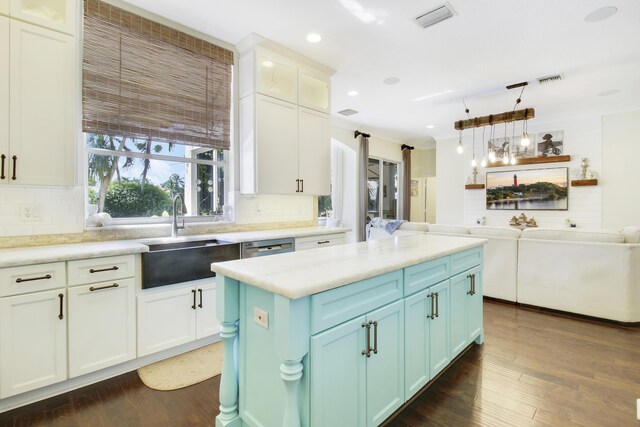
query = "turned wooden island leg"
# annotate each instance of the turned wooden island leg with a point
(227, 307)
(292, 343)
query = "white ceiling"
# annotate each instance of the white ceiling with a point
(472, 56)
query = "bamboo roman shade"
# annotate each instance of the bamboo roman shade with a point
(145, 80)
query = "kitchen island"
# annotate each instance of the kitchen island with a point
(344, 336)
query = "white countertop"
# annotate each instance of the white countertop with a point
(298, 274)
(15, 257)
(250, 236)
(54, 253)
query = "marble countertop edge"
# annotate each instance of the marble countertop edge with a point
(349, 263)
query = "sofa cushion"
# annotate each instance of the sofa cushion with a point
(449, 229)
(631, 234)
(574, 235)
(511, 232)
(415, 226)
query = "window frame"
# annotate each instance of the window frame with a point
(192, 161)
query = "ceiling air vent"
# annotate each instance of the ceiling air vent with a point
(348, 112)
(434, 16)
(550, 79)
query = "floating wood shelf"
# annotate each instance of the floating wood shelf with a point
(533, 161)
(474, 186)
(583, 182)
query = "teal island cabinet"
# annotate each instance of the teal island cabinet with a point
(344, 335)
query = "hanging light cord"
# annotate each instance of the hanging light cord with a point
(519, 99)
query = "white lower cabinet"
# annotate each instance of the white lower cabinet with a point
(177, 314)
(33, 341)
(102, 325)
(313, 242)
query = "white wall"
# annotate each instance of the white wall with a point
(582, 138)
(620, 172)
(62, 210)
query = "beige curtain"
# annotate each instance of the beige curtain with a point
(406, 181)
(363, 187)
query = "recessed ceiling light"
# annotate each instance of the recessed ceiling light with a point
(430, 126)
(267, 64)
(601, 14)
(609, 92)
(314, 38)
(391, 80)
(352, 93)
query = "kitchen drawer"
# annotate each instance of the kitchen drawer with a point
(465, 260)
(32, 278)
(338, 305)
(421, 276)
(101, 269)
(303, 243)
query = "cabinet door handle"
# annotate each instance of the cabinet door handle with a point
(437, 305)
(200, 293)
(473, 284)
(367, 352)
(431, 295)
(302, 185)
(193, 291)
(20, 279)
(2, 159)
(297, 185)
(100, 270)
(15, 160)
(324, 241)
(99, 288)
(61, 316)
(470, 291)
(375, 337)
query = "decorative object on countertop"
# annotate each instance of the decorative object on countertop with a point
(184, 369)
(522, 221)
(389, 225)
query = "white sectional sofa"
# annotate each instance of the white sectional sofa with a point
(595, 273)
(590, 272)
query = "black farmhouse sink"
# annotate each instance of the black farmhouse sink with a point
(176, 262)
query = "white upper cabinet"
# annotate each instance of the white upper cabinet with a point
(4, 7)
(58, 15)
(42, 99)
(4, 99)
(276, 76)
(314, 152)
(277, 141)
(313, 89)
(285, 131)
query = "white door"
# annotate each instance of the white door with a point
(314, 152)
(4, 98)
(102, 325)
(33, 341)
(166, 319)
(207, 323)
(277, 142)
(42, 101)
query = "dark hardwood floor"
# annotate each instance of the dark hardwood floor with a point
(535, 368)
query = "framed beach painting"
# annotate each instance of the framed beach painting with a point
(531, 189)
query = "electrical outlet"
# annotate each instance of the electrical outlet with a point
(261, 317)
(31, 213)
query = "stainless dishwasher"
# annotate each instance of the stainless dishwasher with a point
(267, 247)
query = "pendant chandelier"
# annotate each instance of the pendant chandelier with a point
(507, 152)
